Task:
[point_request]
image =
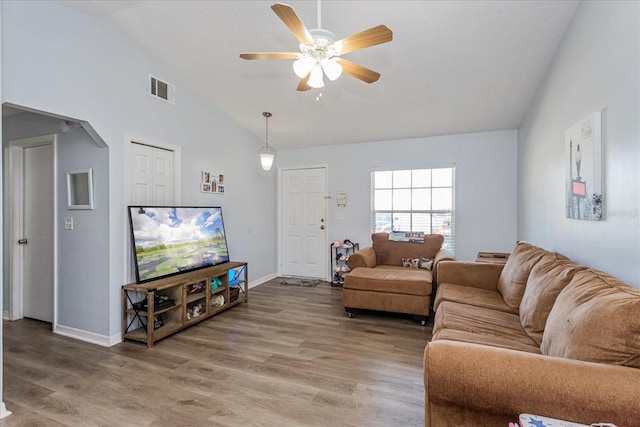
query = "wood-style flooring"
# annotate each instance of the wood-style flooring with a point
(290, 357)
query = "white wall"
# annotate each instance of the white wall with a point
(485, 184)
(596, 68)
(57, 60)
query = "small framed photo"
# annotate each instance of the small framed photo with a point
(205, 187)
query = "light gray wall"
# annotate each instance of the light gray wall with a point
(596, 68)
(485, 184)
(57, 60)
(82, 272)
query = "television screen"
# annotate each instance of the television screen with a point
(174, 240)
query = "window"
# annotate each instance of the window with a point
(414, 200)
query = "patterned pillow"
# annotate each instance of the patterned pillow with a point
(425, 263)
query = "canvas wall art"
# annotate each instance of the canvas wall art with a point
(583, 146)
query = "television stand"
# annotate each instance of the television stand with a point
(156, 309)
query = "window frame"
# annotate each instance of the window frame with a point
(449, 243)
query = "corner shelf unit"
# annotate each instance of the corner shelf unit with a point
(159, 308)
(339, 257)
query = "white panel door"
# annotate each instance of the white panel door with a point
(304, 242)
(38, 233)
(151, 175)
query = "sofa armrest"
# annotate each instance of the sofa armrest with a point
(363, 258)
(473, 274)
(441, 255)
(498, 381)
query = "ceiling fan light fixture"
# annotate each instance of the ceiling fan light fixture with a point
(315, 79)
(302, 67)
(331, 68)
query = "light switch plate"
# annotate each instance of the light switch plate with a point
(68, 223)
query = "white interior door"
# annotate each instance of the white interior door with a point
(152, 180)
(304, 241)
(38, 271)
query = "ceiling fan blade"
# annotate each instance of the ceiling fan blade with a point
(270, 55)
(358, 71)
(291, 20)
(303, 86)
(371, 37)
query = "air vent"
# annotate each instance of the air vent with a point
(162, 90)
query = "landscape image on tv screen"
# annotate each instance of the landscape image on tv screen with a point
(173, 240)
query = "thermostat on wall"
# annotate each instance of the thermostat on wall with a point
(341, 199)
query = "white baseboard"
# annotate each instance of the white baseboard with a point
(90, 337)
(3, 411)
(5, 315)
(260, 281)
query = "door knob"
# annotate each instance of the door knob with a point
(322, 227)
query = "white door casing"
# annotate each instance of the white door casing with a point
(32, 218)
(304, 226)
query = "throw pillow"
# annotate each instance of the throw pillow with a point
(407, 262)
(425, 263)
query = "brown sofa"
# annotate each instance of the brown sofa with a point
(540, 335)
(378, 280)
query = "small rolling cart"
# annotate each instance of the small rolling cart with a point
(339, 252)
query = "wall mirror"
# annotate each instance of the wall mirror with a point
(80, 189)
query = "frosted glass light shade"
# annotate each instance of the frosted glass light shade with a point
(331, 68)
(267, 154)
(302, 67)
(315, 79)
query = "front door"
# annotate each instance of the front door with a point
(304, 242)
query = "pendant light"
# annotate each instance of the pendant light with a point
(267, 154)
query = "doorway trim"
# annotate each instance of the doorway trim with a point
(279, 201)
(16, 222)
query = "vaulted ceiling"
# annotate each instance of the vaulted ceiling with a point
(452, 67)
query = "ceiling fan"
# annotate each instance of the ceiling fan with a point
(320, 52)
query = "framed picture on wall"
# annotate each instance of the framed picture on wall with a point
(212, 183)
(583, 148)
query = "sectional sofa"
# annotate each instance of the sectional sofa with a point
(540, 335)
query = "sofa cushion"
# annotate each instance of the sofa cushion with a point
(469, 295)
(391, 253)
(522, 343)
(479, 320)
(397, 280)
(595, 319)
(548, 277)
(515, 273)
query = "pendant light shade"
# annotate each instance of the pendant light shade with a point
(267, 154)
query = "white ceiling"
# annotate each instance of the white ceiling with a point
(452, 67)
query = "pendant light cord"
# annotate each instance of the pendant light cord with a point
(266, 115)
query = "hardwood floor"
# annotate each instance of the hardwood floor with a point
(290, 357)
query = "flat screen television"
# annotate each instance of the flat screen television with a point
(173, 240)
